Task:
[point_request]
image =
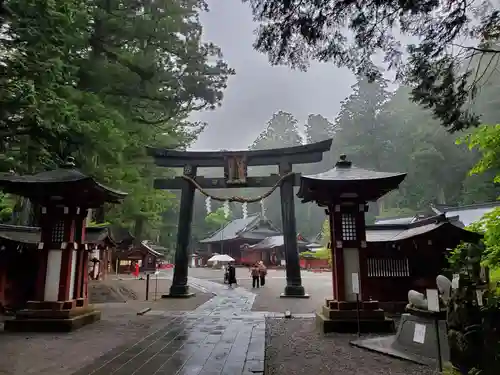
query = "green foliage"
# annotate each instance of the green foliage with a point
(350, 33)
(325, 240)
(489, 250)
(486, 139)
(6, 205)
(322, 253)
(491, 227)
(318, 128)
(93, 224)
(281, 131)
(216, 220)
(101, 81)
(325, 232)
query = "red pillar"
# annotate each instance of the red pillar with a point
(57, 274)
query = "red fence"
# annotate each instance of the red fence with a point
(314, 264)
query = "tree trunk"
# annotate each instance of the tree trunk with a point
(139, 228)
(441, 198)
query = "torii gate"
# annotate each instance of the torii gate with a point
(235, 165)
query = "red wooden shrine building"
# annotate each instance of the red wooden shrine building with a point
(19, 261)
(237, 235)
(401, 257)
(146, 254)
(271, 251)
(387, 267)
(62, 198)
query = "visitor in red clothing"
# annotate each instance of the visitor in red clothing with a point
(136, 270)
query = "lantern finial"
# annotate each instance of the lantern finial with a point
(69, 163)
(343, 162)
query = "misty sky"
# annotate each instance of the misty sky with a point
(258, 90)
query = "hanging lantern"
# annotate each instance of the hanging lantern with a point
(262, 208)
(208, 204)
(226, 209)
(244, 210)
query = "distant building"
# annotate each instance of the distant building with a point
(237, 235)
(466, 214)
(271, 250)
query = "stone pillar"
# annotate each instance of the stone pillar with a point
(293, 286)
(179, 287)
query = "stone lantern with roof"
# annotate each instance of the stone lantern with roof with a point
(345, 191)
(62, 198)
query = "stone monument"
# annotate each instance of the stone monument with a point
(416, 337)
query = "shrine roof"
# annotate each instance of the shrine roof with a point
(353, 173)
(153, 249)
(66, 182)
(97, 235)
(20, 234)
(346, 178)
(258, 234)
(121, 236)
(250, 228)
(272, 242)
(398, 220)
(399, 232)
(31, 235)
(466, 214)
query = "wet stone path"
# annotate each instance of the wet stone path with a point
(221, 337)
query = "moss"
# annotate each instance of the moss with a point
(96, 225)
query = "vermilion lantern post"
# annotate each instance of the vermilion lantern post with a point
(345, 191)
(63, 197)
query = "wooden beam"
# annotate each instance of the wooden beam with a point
(220, 182)
(311, 153)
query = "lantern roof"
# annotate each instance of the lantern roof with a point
(64, 185)
(346, 181)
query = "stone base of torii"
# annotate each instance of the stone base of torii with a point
(342, 317)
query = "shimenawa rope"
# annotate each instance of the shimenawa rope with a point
(236, 198)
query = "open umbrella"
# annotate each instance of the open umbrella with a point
(221, 258)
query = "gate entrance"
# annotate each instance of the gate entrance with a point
(235, 165)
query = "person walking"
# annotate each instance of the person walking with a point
(225, 273)
(231, 275)
(254, 271)
(136, 270)
(262, 273)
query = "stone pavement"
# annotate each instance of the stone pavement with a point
(222, 337)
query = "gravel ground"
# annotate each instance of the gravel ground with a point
(293, 347)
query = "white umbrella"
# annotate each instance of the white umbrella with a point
(221, 258)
